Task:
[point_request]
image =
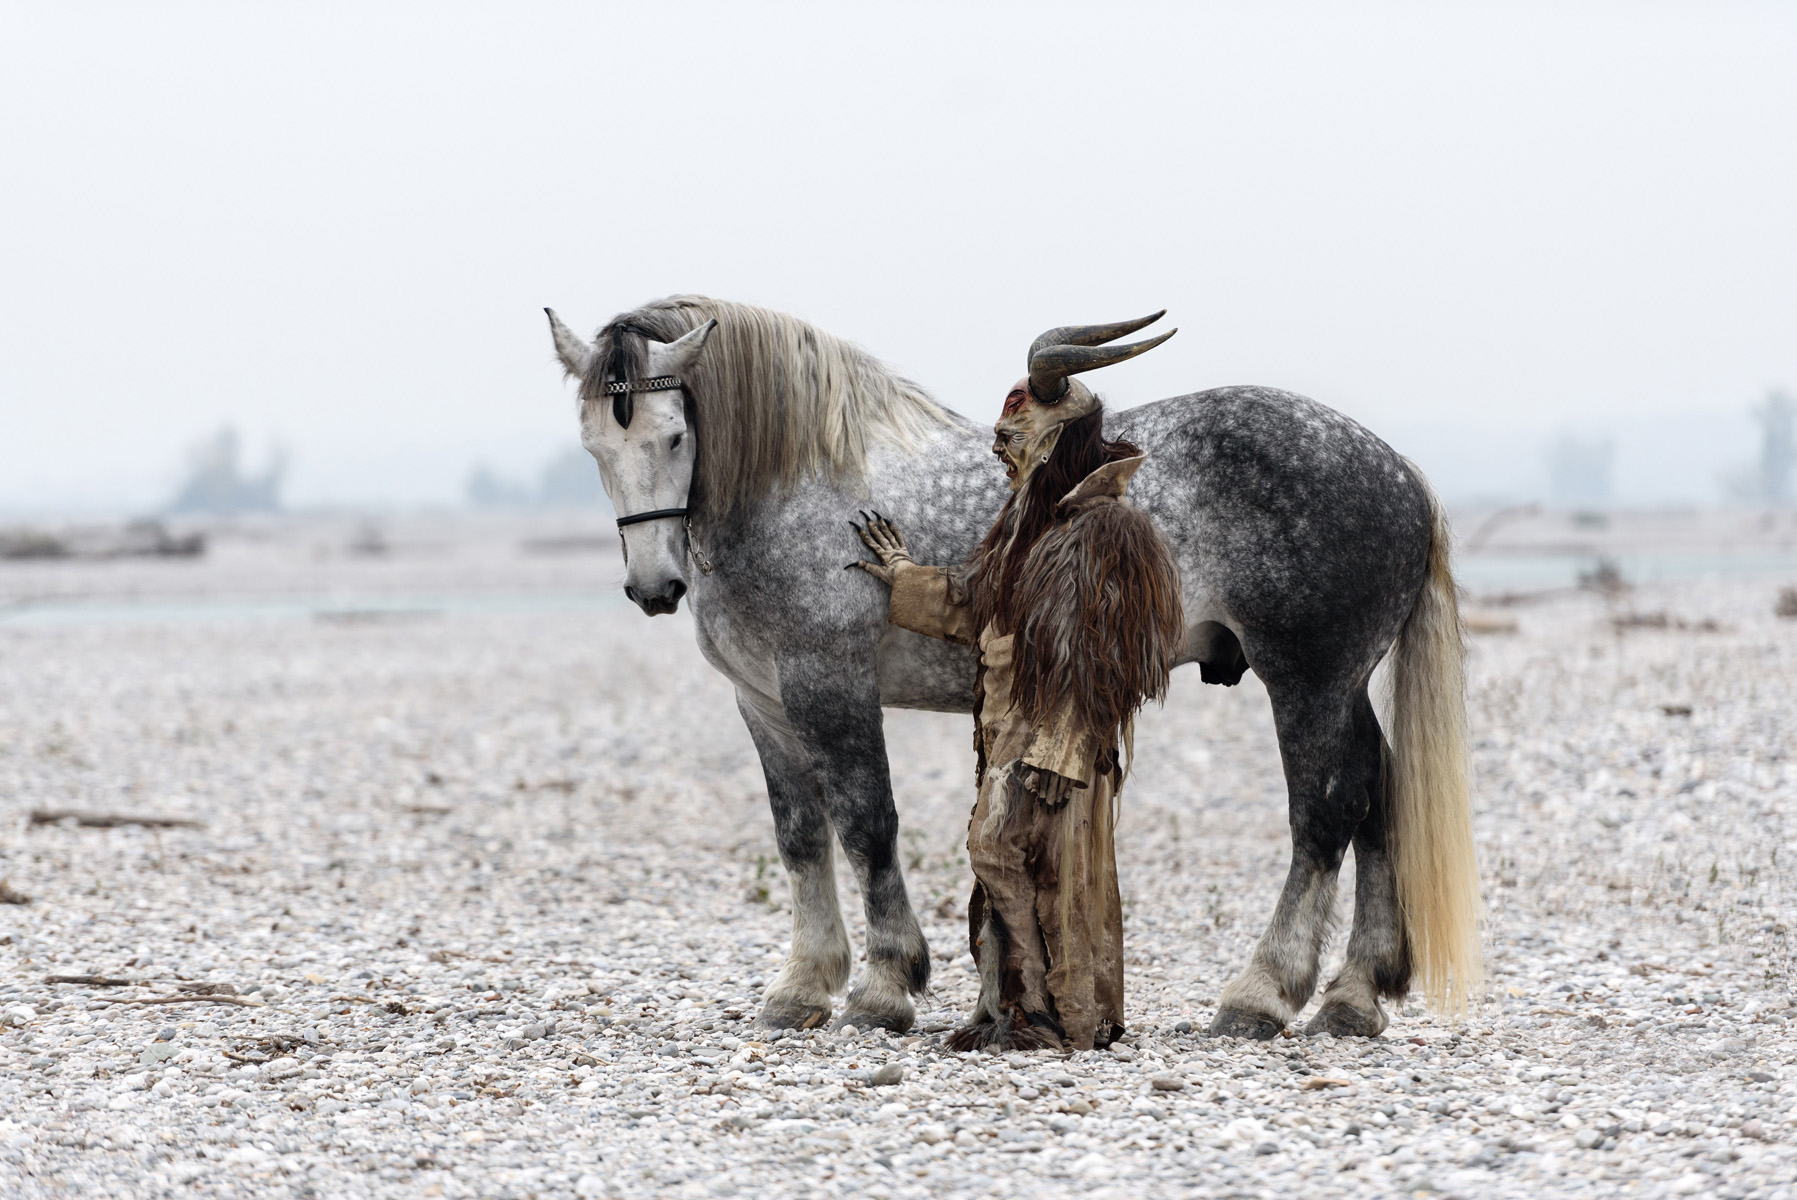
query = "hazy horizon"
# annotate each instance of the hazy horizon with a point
(1477, 230)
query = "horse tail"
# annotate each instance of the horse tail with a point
(1427, 786)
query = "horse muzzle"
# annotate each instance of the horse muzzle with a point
(659, 599)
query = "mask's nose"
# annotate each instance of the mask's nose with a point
(658, 600)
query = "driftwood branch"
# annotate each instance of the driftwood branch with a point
(188, 998)
(192, 988)
(94, 820)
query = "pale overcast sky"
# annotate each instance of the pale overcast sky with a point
(335, 226)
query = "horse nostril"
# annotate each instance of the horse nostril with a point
(631, 594)
(676, 589)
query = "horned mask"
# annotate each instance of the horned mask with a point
(1039, 405)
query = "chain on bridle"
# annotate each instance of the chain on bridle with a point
(661, 383)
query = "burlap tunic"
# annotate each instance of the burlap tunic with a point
(1046, 919)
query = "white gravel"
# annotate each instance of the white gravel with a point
(504, 880)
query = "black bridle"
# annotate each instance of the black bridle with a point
(684, 514)
(660, 383)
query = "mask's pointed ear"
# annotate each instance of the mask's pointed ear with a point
(672, 358)
(575, 354)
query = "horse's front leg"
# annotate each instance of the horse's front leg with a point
(835, 709)
(818, 965)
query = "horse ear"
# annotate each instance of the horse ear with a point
(672, 358)
(575, 354)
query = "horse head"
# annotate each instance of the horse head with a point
(634, 422)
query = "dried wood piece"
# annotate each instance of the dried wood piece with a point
(207, 989)
(1317, 1083)
(94, 820)
(187, 998)
(94, 980)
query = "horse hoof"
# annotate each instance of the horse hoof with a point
(865, 1020)
(1344, 1020)
(792, 1016)
(1240, 1023)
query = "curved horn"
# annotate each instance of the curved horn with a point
(1051, 365)
(1092, 335)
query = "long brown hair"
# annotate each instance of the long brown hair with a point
(1027, 515)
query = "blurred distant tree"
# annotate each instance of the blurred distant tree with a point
(488, 490)
(1578, 470)
(216, 482)
(571, 480)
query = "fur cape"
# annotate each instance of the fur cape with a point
(1099, 620)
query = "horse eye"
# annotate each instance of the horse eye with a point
(675, 444)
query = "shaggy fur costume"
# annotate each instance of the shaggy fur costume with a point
(1100, 622)
(1073, 603)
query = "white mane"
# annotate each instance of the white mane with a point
(776, 400)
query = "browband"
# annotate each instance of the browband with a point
(660, 383)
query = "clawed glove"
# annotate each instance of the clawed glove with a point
(884, 539)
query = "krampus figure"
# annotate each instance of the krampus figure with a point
(1073, 601)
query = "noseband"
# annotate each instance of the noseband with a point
(658, 514)
(660, 383)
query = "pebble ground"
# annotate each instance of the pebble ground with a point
(501, 892)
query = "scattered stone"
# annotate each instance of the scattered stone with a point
(540, 991)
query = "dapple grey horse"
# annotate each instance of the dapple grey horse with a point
(734, 442)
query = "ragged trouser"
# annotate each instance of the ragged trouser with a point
(1046, 918)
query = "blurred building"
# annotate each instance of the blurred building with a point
(1777, 418)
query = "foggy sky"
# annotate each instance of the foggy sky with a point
(336, 226)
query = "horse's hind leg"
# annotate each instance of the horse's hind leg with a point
(1378, 959)
(1327, 789)
(818, 966)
